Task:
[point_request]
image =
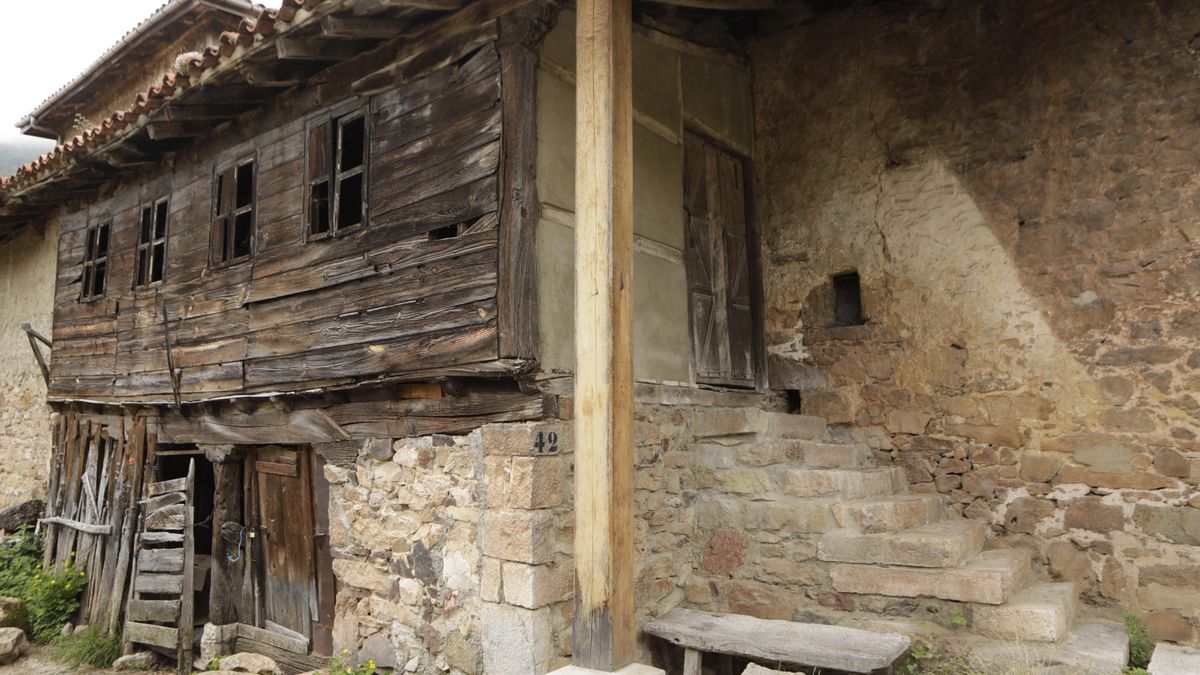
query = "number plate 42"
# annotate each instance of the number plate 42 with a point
(546, 443)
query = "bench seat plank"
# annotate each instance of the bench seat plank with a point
(784, 642)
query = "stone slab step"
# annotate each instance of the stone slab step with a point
(785, 425)
(847, 483)
(1172, 659)
(989, 578)
(1039, 613)
(890, 514)
(948, 543)
(818, 455)
(1090, 648)
(726, 423)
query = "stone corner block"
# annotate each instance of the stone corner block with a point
(519, 536)
(527, 438)
(535, 586)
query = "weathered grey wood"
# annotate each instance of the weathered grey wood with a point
(187, 593)
(150, 634)
(162, 538)
(167, 518)
(89, 528)
(268, 425)
(156, 489)
(154, 611)
(785, 642)
(160, 560)
(161, 501)
(691, 661)
(158, 583)
(284, 642)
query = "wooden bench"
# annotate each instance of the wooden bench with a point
(779, 642)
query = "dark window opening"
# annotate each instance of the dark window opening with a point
(446, 232)
(95, 261)
(847, 300)
(336, 185)
(233, 220)
(152, 244)
(793, 401)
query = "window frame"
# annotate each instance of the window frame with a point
(230, 216)
(332, 174)
(92, 260)
(149, 246)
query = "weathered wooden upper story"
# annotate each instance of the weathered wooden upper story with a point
(355, 199)
(324, 238)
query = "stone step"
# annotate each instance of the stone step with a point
(1172, 659)
(818, 455)
(890, 514)
(989, 578)
(787, 425)
(1090, 648)
(948, 543)
(1039, 613)
(847, 483)
(731, 423)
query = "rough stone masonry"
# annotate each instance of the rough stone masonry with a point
(1016, 185)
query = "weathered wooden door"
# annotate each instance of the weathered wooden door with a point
(718, 263)
(283, 492)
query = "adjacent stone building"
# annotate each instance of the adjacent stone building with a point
(26, 296)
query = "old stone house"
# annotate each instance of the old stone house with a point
(871, 312)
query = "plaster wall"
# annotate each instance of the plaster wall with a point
(673, 90)
(27, 267)
(1016, 186)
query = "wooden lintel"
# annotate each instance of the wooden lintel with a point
(361, 27)
(604, 635)
(314, 49)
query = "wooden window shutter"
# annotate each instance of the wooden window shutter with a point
(224, 210)
(717, 261)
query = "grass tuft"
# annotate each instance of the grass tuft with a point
(92, 647)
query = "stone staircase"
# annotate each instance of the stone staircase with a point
(876, 539)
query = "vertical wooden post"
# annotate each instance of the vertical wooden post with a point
(603, 629)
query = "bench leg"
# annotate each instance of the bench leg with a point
(691, 662)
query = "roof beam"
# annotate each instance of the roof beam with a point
(369, 6)
(313, 49)
(361, 27)
(161, 131)
(271, 74)
(180, 112)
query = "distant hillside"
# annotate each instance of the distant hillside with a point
(16, 151)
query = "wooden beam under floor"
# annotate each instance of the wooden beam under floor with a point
(604, 634)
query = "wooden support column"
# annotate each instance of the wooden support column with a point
(226, 598)
(603, 631)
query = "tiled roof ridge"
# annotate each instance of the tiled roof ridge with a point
(156, 96)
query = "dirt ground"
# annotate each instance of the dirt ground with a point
(37, 660)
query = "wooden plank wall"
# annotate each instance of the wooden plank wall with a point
(387, 298)
(98, 464)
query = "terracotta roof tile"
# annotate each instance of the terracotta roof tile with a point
(154, 98)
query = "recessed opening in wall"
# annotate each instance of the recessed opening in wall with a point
(847, 300)
(447, 232)
(793, 401)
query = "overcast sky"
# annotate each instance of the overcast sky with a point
(47, 43)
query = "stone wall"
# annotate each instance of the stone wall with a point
(1016, 186)
(27, 265)
(454, 554)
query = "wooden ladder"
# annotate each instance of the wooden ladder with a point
(159, 613)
